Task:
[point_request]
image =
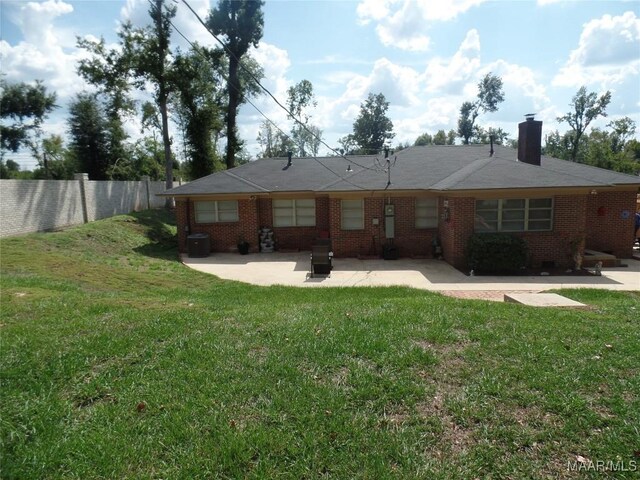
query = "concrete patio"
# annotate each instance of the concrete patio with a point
(292, 269)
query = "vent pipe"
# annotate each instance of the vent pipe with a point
(386, 152)
(289, 154)
(491, 141)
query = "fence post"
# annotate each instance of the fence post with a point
(147, 180)
(83, 178)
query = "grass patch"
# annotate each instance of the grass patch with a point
(119, 362)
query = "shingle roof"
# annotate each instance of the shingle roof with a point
(430, 167)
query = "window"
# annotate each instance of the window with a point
(294, 213)
(514, 215)
(426, 212)
(352, 214)
(216, 211)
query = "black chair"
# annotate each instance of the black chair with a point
(321, 263)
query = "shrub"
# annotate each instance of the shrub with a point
(496, 253)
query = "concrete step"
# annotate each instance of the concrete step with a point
(541, 300)
(591, 257)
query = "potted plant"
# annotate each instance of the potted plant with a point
(243, 246)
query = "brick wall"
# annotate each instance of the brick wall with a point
(568, 225)
(574, 216)
(370, 240)
(224, 236)
(456, 228)
(295, 238)
(607, 230)
(28, 206)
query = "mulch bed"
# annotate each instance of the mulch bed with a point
(537, 272)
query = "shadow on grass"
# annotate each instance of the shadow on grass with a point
(160, 229)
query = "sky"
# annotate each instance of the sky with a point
(425, 56)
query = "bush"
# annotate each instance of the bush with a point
(496, 253)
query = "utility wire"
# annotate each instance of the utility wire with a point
(193, 46)
(266, 90)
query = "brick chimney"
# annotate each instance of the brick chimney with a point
(530, 140)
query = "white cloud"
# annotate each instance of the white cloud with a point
(607, 53)
(46, 52)
(523, 94)
(404, 24)
(368, 10)
(451, 75)
(275, 62)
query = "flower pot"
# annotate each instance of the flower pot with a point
(243, 248)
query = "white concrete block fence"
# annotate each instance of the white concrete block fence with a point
(28, 206)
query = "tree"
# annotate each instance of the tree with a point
(556, 145)
(482, 136)
(623, 129)
(274, 143)
(306, 137)
(451, 137)
(9, 169)
(614, 149)
(55, 161)
(586, 108)
(88, 129)
(199, 105)
(27, 106)
(149, 55)
(490, 94)
(372, 128)
(347, 144)
(424, 139)
(110, 71)
(241, 22)
(440, 138)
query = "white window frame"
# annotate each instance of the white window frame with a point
(211, 211)
(353, 206)
(527, 209)
(426, 213)
(296, 211)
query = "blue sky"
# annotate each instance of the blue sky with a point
(426, 57)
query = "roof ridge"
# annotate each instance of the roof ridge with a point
(463, 173)
(248, 182)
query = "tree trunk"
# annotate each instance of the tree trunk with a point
(575, 147)
(234, 96)
(168, 161)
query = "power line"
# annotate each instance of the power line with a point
(193, 46)
(266, 90)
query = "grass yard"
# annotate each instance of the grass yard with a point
(119, 362)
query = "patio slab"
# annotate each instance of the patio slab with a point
(292, 269)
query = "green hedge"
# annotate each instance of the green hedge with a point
(496, 253)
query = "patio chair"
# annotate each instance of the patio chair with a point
(321, 260)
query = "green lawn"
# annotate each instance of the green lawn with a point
(119, 362)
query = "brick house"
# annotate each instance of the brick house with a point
(413, 198)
